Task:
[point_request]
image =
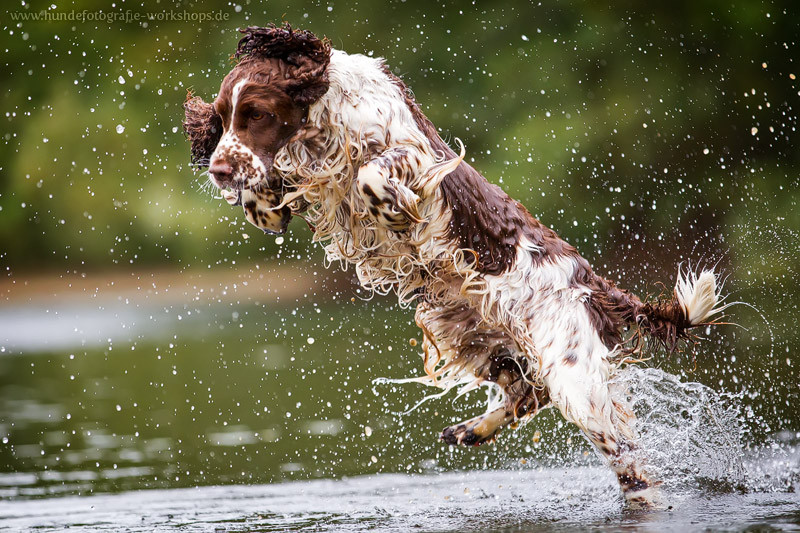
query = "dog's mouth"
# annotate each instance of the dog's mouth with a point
(232, 196)
(278, 224)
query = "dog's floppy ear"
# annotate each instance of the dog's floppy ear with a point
(308, 58)
(203, 126)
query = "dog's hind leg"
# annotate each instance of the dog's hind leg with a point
(520, 400)
(479, 430)
(457, 344)
(585, 400)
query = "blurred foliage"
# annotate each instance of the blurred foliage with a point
(612, 124)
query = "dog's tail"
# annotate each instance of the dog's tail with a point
(695, 301)
(698, 296)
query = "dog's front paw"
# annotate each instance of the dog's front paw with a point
(388, 201)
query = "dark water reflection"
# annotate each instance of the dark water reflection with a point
(227, 394)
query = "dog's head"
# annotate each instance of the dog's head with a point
(262, 103)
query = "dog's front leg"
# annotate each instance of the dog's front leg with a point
(260, 209)
(382, 186)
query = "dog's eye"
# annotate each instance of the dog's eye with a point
(259, 115)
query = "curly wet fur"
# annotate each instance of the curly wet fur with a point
(308, 56)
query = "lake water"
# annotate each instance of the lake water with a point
(570, 499)
(221, 415)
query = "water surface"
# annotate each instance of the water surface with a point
(531, 500)
(246, 416)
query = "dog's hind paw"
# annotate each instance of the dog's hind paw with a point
(478, 430)
(640, 493)
(460, 434)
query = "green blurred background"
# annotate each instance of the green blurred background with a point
(646, 136)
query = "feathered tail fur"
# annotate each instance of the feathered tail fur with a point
(696, 301)
(698, 297)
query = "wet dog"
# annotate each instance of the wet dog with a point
(502, 301)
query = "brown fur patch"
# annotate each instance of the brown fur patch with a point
(485, 219)
(307, 55)
(610, 308)
(203, 126)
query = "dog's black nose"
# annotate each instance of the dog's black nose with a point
(222, 172)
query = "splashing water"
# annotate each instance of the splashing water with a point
(689, 434)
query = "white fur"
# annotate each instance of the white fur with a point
(541, 304)
(698, 295)
(237, 90)
(363, 116)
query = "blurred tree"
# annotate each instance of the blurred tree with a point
(616, 125)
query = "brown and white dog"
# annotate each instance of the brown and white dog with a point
(502, 301)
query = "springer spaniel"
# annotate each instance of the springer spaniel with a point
(299, 128)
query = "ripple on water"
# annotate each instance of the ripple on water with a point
(531, 500)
